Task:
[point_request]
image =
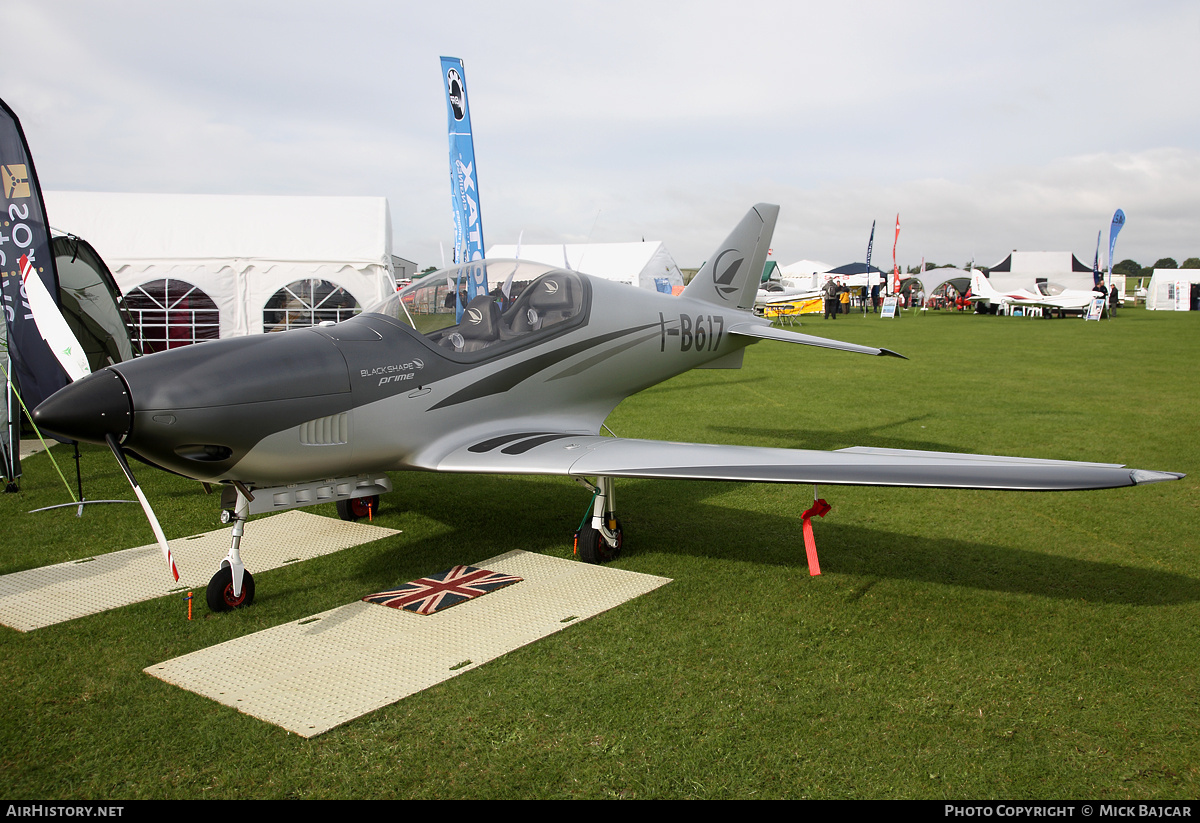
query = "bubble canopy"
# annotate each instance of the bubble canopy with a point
(541, 300)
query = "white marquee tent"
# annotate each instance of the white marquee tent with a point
(1022, 270)
(243, 252)
(647, 265)
(933, 279)
(803, 274)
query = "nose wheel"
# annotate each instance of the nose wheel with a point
(220, 594)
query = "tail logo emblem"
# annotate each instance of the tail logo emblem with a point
(725, 272)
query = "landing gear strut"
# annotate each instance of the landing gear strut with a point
(600, 537)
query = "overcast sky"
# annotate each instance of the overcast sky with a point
(987, 126)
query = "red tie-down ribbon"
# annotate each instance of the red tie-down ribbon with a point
(820, 508)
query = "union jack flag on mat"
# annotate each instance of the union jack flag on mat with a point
(441, 591)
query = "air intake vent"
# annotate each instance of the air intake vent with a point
(333, 430)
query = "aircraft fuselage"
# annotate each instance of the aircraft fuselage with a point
(371, 394)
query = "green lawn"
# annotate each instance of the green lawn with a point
(957, 645)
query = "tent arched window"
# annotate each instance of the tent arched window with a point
(304, 303)
(167, 314)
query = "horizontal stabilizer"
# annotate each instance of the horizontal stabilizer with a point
(765, 332)
(541, 452)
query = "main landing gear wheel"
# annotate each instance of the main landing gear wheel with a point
(358, 508)
(220, 591)
(591, 547)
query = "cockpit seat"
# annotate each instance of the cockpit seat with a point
(550, 299)
(480, 323)
(478, 328)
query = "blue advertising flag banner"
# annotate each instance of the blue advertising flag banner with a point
(870, 243)
(1117, 223)
(1096, 261)
(464, 184)
(25, 240)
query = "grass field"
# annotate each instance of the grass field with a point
(958, 645)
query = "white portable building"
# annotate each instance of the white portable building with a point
(202, 266)
(647, 265)
(1171, 289)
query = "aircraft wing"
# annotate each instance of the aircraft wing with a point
(788, 297)
(592, 455)
(1077, 303)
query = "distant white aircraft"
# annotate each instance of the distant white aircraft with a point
(1048, 295)
(786, 290)
(781, 296)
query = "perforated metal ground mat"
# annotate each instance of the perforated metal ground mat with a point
(42, 597)
(318, 673)
(31, 447)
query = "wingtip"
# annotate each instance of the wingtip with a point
(890, 353)
(1141, 477)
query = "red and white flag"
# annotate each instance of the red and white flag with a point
(895, 268)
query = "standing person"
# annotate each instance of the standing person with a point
(830, 292)
(875, 299)
(1100, 291)
(1114, 299)
(844, 298)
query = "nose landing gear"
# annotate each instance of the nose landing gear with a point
(232, 587)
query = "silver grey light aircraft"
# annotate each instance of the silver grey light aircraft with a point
(517, 386)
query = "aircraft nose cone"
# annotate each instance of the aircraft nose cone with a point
(88, 409)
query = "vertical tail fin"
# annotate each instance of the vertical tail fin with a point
(732, 274)
(980, 287)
